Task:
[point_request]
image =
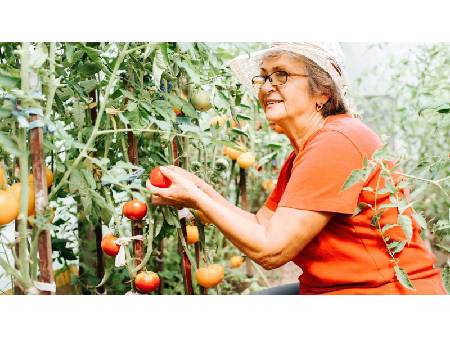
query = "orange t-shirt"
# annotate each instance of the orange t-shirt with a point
(349, 256)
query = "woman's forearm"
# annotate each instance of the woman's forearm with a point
(225, 203)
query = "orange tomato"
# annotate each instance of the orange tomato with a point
(177, 111)
(9, 207)
(15, 189)
(109, 246)
(48, 175)
(2, 177)
(218, 121)
(236, 261)
(210, 276)
(192, 235)
(268, 185)
(134, 209)
(146, 281)
(246, 160)
(232, 153)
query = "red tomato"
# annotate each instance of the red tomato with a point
(108, 246)
(135, 210)
(146, 281)
(158, 179)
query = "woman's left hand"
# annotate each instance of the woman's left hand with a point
(181, 193)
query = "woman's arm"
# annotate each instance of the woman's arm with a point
(260, 218)
(287, 232)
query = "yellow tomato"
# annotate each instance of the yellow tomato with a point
(232, 153)
(209, 276)
(48, 175)
(2, 177)
(15, 189)
(192, 235)
(246, 160)
(236, 261)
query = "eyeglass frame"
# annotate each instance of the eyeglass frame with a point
(265, 77)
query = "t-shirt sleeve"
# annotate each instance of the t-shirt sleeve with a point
(319, 172)
(275, 196)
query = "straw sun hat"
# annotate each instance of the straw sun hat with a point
(328, 56)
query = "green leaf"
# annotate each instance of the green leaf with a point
(355, 177)
(402, 277)
(240, 132)
(89, 179)
(388, 226)
(381, 153)
(88, 85)
(396, 247)
(159, 66)
(446, 277)
(420, 220)
(9, 80)
(444, 109)
(89, 68)
(38, 56)
(406, 225)
(243, 117)
(10, 146)
(194, 76)
(360, 207)
(274, 145)
(442, 247)
(78, 115)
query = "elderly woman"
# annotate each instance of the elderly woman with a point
(308, 219)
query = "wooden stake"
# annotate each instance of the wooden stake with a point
(40, 187)
(244, 205)
(100, 266)
(185, 262)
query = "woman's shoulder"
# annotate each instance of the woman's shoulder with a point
(352, 128)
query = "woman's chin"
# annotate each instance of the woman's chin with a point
(273, 115)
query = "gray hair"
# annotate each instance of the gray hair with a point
(319, 83)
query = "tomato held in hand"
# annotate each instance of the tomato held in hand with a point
(192, 235)
(210, 276)
(158, 179)
(135, 210)
(109, 246)
(236, 261)
(146, 281)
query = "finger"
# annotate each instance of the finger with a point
(169, 173)
(155, 190)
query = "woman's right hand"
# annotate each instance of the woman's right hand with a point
(193, 178)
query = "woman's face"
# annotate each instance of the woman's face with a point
(289, 100)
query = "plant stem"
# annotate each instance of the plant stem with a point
(96, 126)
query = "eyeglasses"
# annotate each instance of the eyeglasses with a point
(276, 78)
